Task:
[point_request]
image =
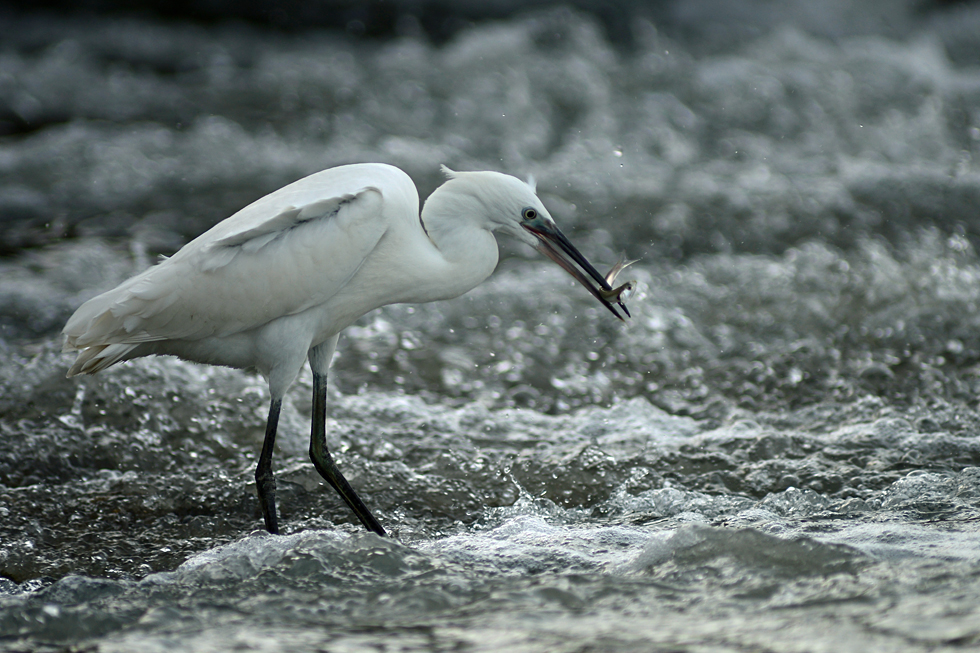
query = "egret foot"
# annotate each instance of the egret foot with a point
(265, 480)
(324, 462)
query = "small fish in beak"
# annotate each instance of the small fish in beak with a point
(621, 293)
(553, 244)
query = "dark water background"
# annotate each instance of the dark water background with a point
(779, 452)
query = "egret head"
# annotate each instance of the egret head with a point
(507, 204)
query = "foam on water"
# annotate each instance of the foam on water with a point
(598, 586)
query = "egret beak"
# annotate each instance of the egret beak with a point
(553, 244)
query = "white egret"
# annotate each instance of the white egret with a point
(274, 284)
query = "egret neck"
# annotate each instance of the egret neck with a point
(458, 226)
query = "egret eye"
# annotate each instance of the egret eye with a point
(529, 213)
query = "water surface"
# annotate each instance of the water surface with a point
(780, 451)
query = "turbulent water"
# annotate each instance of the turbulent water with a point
(780, 451)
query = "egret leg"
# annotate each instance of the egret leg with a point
(265, 481)
(324, 463)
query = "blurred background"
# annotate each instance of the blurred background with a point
(781, 149)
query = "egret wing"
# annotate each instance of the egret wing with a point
(219, 252)
(286, 253)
